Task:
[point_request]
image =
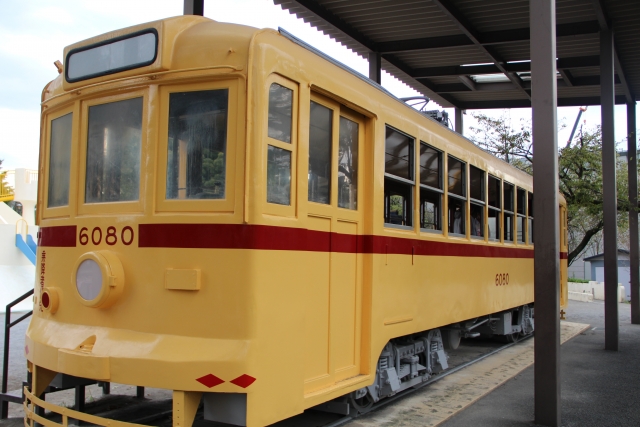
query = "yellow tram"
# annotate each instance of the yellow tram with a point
(228, 214)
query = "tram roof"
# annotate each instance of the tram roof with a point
(474, 54)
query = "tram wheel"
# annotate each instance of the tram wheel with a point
(527, 327)
(511, 338)
(362, 405)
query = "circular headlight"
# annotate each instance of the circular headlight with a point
(89, 280)
(98, 278)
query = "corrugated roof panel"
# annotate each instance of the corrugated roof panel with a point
(484, 95)
(626, 16)
(586, 45)
(387, 20)
(516, 51)
(585, 72)
(584, 91)
(361, 24)
(568, 11)
(443, 56)
(307, 16)
(444, 80)
(494, 15)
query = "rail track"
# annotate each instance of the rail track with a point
(346, 419)
(159, 412)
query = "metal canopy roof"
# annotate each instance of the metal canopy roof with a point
(473, 54)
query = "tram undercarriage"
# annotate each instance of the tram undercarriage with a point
(409, 361)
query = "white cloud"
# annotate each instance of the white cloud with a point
(53, 14)
(19, 138)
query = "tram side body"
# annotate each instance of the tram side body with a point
(290, 310)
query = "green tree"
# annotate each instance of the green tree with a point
(579, 174)
(498, 136)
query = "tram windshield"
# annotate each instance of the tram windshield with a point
(113, 152)
(197, 145)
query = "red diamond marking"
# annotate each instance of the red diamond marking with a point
(243, 381)
(210, 380)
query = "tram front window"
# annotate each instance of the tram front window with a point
(197, 145)
(60, 161)
(114, 139)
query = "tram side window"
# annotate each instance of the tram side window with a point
(320, 132)
(521, 211)
(59, 161)
(114, 141)
(348, 164)
(430, 187)
(495, 206)
(197, 145)
(280, 112)
(278, 158)
(508, 212)
(476, 193)
(398, 183)
(530, 215)
(457, 195)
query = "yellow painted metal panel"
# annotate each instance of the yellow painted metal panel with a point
(83, 365)
(345, 298)
(316, 325)
(182, 279)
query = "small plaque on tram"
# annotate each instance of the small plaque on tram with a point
(112, 56)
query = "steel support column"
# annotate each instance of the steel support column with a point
(375, 67)
(546, 233)
(634, 264)
(459, 121)
(610, 232)
(193, 7)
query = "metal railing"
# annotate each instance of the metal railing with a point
(6, 186)
(31, 175)
(8, 324)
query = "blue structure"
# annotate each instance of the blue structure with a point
(28, 248)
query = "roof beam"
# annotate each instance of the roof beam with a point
(468, 82)
(485, 39)
(514, 67)
(567, 77)
(466, 87)
(426, 83)
(606, 24)
(525, 103)
(425, 43)
(578, 62)
(465, 26)
(601, 14)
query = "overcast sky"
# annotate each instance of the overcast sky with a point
(35, 32)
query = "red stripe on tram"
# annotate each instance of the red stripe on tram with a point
(60, 236)
(262, 237)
